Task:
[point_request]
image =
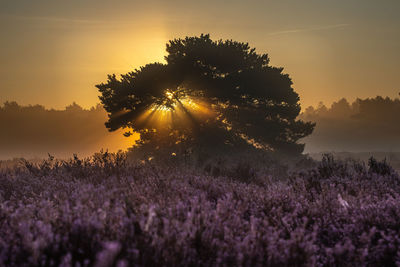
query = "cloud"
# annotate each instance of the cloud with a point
(310, 29)
(62, 22)
(56, 19)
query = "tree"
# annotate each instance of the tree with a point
(209, 94)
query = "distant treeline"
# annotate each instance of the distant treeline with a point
(371, 124)
(34, 131)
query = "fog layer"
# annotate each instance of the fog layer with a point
(371, 124)
(34, 131)
(366, 125)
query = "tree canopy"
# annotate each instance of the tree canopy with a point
(209, 93)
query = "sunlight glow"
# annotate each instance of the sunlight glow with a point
(169, 95)
(183, 111)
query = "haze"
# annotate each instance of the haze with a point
(53, 53)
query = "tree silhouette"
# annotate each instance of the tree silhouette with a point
(209, 94)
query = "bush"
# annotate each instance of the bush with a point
(379, 167)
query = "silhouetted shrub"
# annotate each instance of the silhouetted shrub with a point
(329, 167)
(379, 167)
(102, 163)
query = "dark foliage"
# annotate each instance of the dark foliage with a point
(379, 167)
(216, 94)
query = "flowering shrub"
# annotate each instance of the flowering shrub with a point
(106, 211)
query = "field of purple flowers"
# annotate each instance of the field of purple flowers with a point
(107, 211)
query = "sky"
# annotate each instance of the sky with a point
(54, 52)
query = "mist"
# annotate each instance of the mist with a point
(34, 131)
(366, 125)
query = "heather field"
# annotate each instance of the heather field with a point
(110, 211)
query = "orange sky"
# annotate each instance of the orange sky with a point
(53, 52)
